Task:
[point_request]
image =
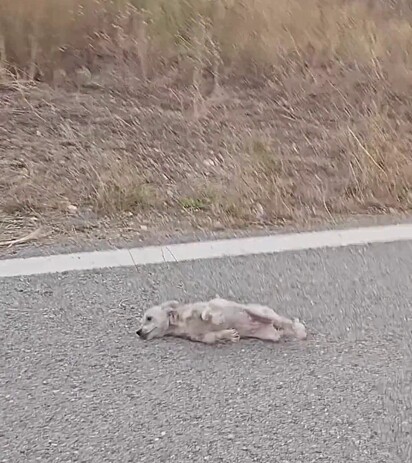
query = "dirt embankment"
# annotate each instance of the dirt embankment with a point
(219, 119)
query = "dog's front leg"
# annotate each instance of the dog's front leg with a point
(212, 316)
(215, 336)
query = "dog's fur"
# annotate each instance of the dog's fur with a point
(218, 320)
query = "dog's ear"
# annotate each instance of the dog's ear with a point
(170, 308)
(173, 315)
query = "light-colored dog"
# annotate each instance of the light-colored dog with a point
(218, 320)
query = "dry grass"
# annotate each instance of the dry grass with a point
(210, 113)
(42, 36)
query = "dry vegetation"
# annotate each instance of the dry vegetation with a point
(202, 113)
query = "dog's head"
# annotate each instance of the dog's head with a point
(157, 320)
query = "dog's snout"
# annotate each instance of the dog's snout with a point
(141, 334)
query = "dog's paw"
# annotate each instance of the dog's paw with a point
(216, 318)
(205, 315)
(233, 336)
(299, 329)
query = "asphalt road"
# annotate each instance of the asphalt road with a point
(77, 385)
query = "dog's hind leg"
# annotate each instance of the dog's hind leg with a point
(268, 333)
(268, 315)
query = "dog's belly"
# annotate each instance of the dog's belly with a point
(243, 324)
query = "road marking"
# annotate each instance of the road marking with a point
(204, 250)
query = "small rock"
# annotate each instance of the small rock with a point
(72, 208)
(143, 227)
(59, 77)
(260, 212)
(218, 226)
(209, 162)
(83, 76)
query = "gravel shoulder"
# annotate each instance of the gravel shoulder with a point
(66, 245)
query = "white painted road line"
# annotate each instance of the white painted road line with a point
(204, 250)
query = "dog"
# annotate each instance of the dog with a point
(218, 320)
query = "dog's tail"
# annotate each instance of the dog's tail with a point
(299, 329)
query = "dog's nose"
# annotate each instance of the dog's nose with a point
(141, 334)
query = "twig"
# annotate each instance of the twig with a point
(366, 151)
(34, 235)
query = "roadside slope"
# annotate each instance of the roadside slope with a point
(132, 118)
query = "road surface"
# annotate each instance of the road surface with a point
(79, 386)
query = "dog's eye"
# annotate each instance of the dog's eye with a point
(149, 319)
